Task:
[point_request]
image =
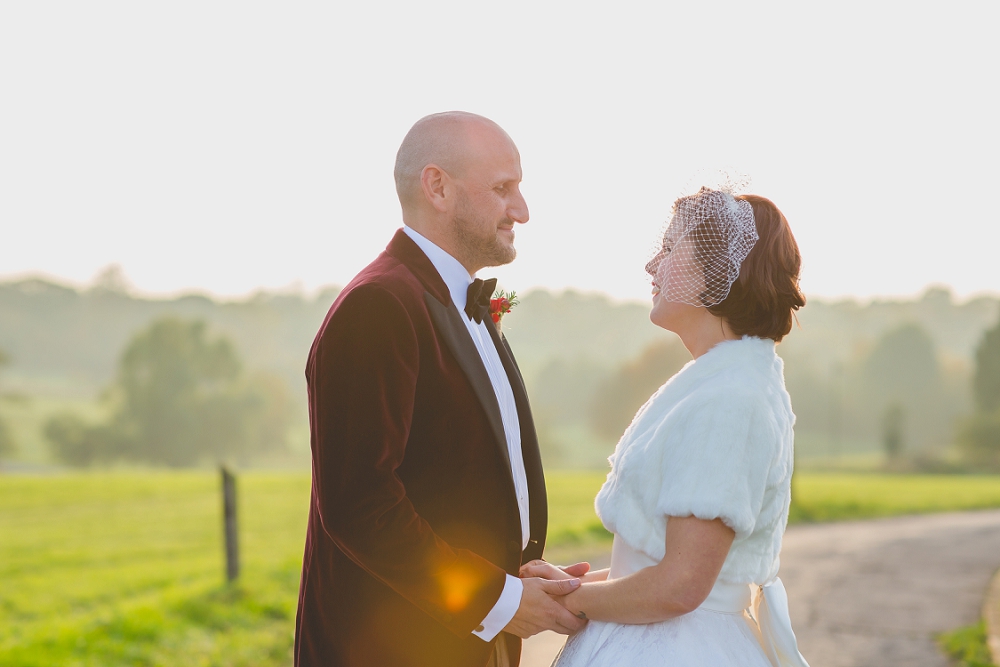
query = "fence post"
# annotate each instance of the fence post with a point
(229, 524)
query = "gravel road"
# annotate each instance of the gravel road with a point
(874, 593)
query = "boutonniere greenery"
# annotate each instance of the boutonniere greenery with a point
(501, 304)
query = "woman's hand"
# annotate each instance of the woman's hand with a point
(546, 570)
(695, 550)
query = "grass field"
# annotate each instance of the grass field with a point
(125, 568)
(817, 497)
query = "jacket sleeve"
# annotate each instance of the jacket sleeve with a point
(362, 378)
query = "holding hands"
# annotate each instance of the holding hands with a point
(540, 609)
(545, 570)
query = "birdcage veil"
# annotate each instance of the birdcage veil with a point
(709, 235)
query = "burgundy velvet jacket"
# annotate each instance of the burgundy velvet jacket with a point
(413, 522)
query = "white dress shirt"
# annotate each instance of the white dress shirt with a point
(457, 279)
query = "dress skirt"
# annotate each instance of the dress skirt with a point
(717, 634)
(702, 638)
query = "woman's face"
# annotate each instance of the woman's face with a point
(677, 279)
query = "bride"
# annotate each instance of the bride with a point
(699, 488)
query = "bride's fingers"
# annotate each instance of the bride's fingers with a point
(529, 570)
(576, 569)
(530, 564)
(543, 571)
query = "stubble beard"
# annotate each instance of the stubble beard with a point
(484, 249)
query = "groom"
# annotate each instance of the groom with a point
(427, 492)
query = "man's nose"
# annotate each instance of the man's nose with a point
(518, 210)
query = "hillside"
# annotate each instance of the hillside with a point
(64, 343)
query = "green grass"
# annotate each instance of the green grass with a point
(967, 646)
(572, 520)
(837, 497)
(125, 568)
(816, 497)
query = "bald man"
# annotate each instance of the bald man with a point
(427, 491)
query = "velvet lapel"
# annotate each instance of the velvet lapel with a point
(409, 253)
(453, 331)
(537, 500)
(450, 327)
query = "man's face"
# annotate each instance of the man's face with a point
(489, 202)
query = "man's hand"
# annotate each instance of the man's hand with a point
(546, 570)
(540, 611)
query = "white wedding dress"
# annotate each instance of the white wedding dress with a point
(714, 442)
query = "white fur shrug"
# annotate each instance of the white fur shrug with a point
(715, 441)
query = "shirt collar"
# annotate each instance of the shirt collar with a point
(450, 269)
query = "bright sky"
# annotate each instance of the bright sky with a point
(227, 146)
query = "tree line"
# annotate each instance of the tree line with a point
(895, 376)
(8, 445)
(179, 397)
(979, 434)
(898, 394)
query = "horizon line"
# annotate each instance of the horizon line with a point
(297, 288)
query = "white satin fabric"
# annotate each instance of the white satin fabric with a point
(773, 625)
(720, 633)
(770, 608)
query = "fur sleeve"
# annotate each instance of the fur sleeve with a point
(715, 461)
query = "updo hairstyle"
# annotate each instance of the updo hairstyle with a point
(764, 297)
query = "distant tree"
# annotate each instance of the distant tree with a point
(273, 407)
(986, 384)
(903, 363)
(177, 393)
(816, 398)
(8, 445)
(562, 389)
(979, 436)
(893, 418)
(619, 397)
(902, 371)
(178, 397)
(79, 443)
(979, 440)
(112, 279)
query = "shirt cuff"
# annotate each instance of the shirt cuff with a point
(503, 610)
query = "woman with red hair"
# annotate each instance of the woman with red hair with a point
(700, 482)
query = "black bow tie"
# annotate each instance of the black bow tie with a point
(477, 301)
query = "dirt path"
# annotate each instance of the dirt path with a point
(874, 593)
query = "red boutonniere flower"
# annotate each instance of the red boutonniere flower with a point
(501, 303)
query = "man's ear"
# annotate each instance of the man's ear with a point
(436, 186)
